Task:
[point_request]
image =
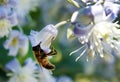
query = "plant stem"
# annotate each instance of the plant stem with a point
(61, 23)
(20, 28)
(74, 3)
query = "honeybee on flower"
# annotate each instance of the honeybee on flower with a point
(41, 45)
(95, 29)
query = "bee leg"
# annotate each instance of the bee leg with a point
(53, 51)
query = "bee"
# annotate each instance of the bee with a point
(42, 57)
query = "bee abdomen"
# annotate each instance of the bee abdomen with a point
(46, 64)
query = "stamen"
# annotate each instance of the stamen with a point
(77, 50)
(87, 59)
(112, 46)
(93, 53)
(91, 47)
(101, 55)
(100, 51)
(81, 55)
(83, 42)
(86, 40)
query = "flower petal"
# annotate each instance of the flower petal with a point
(98, 13)
(48, 33)
(13, 65)
(13, 3)
(33, 38)
(13, 19)
(74, 16)
(29, 63)
(23, 44)
(45, 37)
(13, 51)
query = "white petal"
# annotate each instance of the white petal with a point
(13, 19)
(45, 37)
(23, 44)
(48, 33)
(98, 13)
(33, 38)
(13, 51)
(64, 79)
(46, 76)
(32, 32)
(74, 16)
(13, 65)
(31, 79)
(7, 43)
(14, 79)
(30, 64)
(14, 33)
(5, 27)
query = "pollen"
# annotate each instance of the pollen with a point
(14, 41)
(3, 23)
(5, 27)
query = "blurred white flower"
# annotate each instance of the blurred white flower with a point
(5, 27)
(8, 19)
(27, 73)
(45, 37)
(95, 29)
(46, 76)
(17, 42)
(64, 79)
(12, 3)
(25, 6)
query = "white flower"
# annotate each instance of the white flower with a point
(22, 74)
(45, 37)
(17, 42)
(8, 19)
(64, 79)
(25, 6)
(112, 9)
(5, 27)
(46, 76)
(97, 33)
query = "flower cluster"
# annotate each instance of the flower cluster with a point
(17, 42)
(95, 28)
(24, 7)
(30, 72)
(8, 17)
(11, 10)
(27, 73)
